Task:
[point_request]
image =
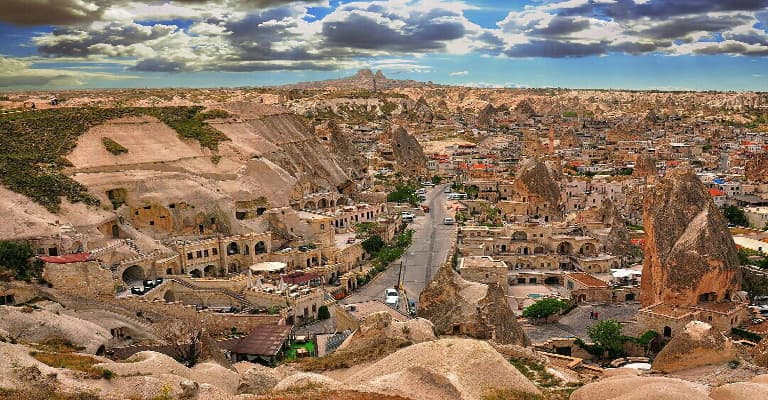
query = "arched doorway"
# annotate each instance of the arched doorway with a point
(169, 296)
(115, 231)
(629, 297)
(210, 270)
(552, 280)
(260, 248)
(564, 248)
(588, 249)
(323, 203)
(309, 205)
(667, 332)
(133, 275)
(519, 235)
(195, 273)
(233, 248)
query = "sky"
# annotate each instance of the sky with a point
(619, 44)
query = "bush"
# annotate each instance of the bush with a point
(437, 180)
(544, 308)
(16, 258)
(323, 313)
(404, 193)
(607, 334)
(113, 147)
(373, 244)
(735, 215)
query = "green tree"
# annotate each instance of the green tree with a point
(607, 334)
(323, 313)
(364, 228)
(472, 191)
(735, 215)
(437, 180)
(403, 193)
(16, 257)
(373, 244)
(544, 308)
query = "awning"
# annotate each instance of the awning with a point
(66, 259)
(269, 266)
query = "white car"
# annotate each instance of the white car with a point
(391, 297)
(448, 221)
(407, 217)
(429, 184)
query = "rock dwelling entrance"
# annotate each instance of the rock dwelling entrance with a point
(133, 274)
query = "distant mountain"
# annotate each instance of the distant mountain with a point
(364, 79)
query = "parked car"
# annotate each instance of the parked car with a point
(447, 189)
(428, 184)
(350, 240)
(448, 221)
(149, 283)
(137, 290)
(406, 216)
(391, 297)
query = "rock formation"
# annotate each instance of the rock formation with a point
(409, 156)
(422, 112)
(343, 150)
(697, 345)
(443, 369)
(756, 168)
(485, 116)
(524, 109)
(538, 185)
(630, 387)
(689, 251)
(760, 353)
(645, 166)
(457, 306)
(617, 240)
(379, 327)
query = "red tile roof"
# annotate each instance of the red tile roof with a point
(587, 279)
(66, 259)
(716, 192)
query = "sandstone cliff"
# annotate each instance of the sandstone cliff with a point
(617, 240)
(697, 345)
(409, 156)
(688, 248)
(485, 116)
(756, 168)
(645, 166)
(457, 306)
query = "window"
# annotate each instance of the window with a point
(215, 251)
(205, 253)
(322, 226)
(151, 223)
(199, 253)
(189, 255)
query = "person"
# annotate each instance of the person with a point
(597, 315)
(591, 315)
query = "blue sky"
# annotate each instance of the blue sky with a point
(629, 44)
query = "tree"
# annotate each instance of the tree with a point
(323, 313)
(437, 180)
(189, 342)
(735, 215)
(16, 256)
(607, 334)
(373, 244)
(403, 193)
(544, 308)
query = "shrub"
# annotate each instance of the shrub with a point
(607, 334)
(544, 308)
(113, 147)
(373, 244)
(76, 362)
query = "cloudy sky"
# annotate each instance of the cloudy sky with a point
(635, 44)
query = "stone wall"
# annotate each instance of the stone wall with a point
(80, 278)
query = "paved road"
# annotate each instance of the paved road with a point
(431, 242)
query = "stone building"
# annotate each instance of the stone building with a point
(483, 269)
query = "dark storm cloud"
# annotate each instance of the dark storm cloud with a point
(419, 34)
(255, 67)
(680, 27)
(158, 65)
(50, 12)
(561, 26)
(636, 48)
(555, 49)
(659, 9)
(731, 48)
(79, 45)
(75, 12)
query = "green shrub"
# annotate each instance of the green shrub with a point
(113, 147)
(544, 308)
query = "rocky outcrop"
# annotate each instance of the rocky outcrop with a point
(460, 307)
(38, 325)
(257, 380)
(756, 168)
(485, 115)
(443, 369)
(342, 149)
(409, 156)
(630, 387)
(525, 109)
(760, 353)
(645, 166)
(697, 345)
(538, 185)
(617, 240)
(688, 249)
(422, 112)
(379, 327)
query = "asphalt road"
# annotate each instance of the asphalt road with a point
(429, 249)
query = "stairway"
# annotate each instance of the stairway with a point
(110, 245)
(237, 296)
(133, 246)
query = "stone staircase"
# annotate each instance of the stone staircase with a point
(230, 293)
(133, 246)
(110, 245)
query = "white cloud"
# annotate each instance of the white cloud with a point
(459, 73)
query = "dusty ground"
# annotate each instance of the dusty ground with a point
(577, 322)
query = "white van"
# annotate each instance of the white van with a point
(448, 221)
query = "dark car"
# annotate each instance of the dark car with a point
(149, 283)
(137, 290)
(158, 281)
